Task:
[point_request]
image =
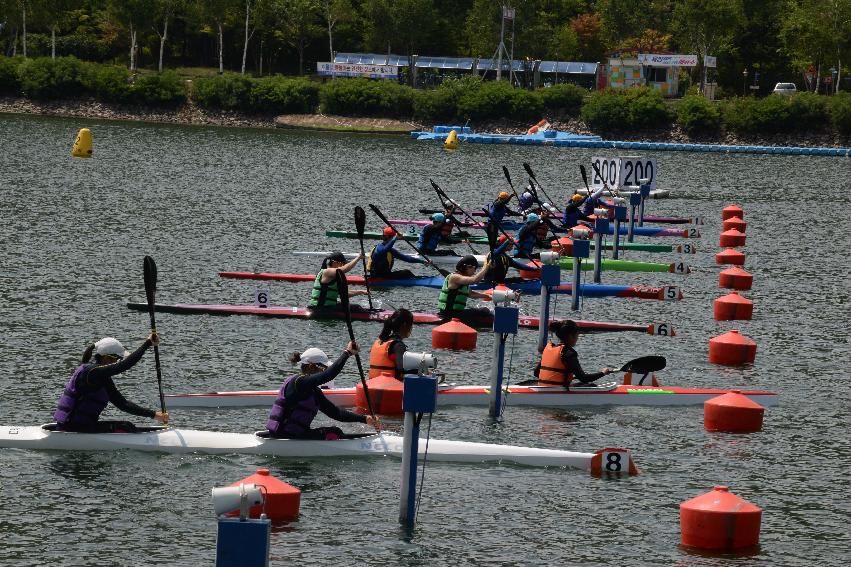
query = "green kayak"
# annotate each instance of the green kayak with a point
(483, 240)
(609, 264)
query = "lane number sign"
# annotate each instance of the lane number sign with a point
(261, 298)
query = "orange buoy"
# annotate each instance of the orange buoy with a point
(563, 246)
(731, 211)
(734, 222)
(732, 307)
(529, 275)
(454, 335)
(730, 256)
(385, 392)
(732, 237)
(732, 412)
(719, 521)
(732, 349)
(735, 278)
(282, 500)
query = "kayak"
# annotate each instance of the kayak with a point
(624, 229)
(647, 218)
(168, 440)
(381, 315)
(536, 396)
(455, 239)
(609, 264)
(654, 193)
(530, 287)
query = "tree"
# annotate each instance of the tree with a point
(817, 31)
(299, 21)
(257, 13)
(333, 12)
(588, 30)
(54, 15)
(133, 15)
(164, 11)
(217, 14)
(706, 27)
(23, 5)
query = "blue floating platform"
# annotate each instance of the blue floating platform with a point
(570, 140)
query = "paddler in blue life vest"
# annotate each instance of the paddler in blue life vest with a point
(380, 262)
(388, 350)
(300, 399)
(326, 293)
(91, 389)
(456, 290)
(432, 235)
(499, 262)
(560, 363)
(573, 212)
(533, 232)
(499, 208)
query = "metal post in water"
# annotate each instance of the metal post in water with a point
(644, 191)
(550, 276)
(419, 397)
(634, 201)
(505, 322)
(601, 227)
(581, 249)
(620, 215)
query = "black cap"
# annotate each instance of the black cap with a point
(467, 260)
(566, 329)
(336, 256)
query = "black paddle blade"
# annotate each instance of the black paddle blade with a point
(528, 169)
(492, 231)
(360, 220)
(343, 289)
(507, 175)
(645, 364)
(584, 176)
(149, 267)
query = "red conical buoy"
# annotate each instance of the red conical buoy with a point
(732, 237)
(730, 256)
(385, 392)
(732, 412)
(735, 278)
(282, 500)
(731, 211)
(732, 349)
(528, 275)
(454, 335)
(719, 521)
(733, 307)
(734, 222)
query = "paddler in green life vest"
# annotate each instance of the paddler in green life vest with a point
(380, 261)
(499, 262)
(456, 290)
(326, 293)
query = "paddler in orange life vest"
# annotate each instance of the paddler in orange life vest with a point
(456, 290)
(326, 293)
(380, 262)
(499, 261)
(388, 350)
(560, 363)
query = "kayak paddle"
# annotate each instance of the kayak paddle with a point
(510, 184)
(343, 287)
(461, 233)
(149, 269)
(378, 212)
(644, 364)
(360, 224)
(531, 173)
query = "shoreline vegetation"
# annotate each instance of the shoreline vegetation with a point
(66, 86)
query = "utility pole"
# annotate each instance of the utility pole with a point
(507, 14)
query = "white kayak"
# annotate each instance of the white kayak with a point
(538, 396)
(654, 194)
(168, 440)
(450, 260)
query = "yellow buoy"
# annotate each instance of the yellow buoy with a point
(451, 141)
(83, 144)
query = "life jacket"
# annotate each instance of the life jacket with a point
(291, 416)
(446, 229)
(80, 408)
(552, 371)
(570, 218)
(453, 299)
(496, 211)
(381, 359)
(542, 231)
(381, 263)
(429, 238)
(498, 268)
(324, 295)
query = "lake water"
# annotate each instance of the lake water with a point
(200, 200)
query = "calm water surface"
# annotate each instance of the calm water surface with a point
(200, 200)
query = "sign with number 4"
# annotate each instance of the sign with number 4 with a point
(261, 298)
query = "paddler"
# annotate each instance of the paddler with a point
(573, 212)
(499, 208)
(326, 293)
(380, 263)
(499, 262)
(388, 350)
(300, 399)
(432, 234)
(91, 389)
(526, 201)
(533, 232)
(593, 201)
(560, 363)
(456, 289)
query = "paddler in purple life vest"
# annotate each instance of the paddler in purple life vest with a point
(91, 389)
(300, 399)
(526, 201)
(380, 262)
(593, 201)
(326, 292)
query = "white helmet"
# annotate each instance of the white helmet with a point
(110, 346)
(314, 356)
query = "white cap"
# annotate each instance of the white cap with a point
(314, 356)
(110, 346)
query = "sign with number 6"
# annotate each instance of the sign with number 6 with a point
(261, 298)
(663, 330)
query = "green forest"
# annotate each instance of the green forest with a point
(774, 40)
